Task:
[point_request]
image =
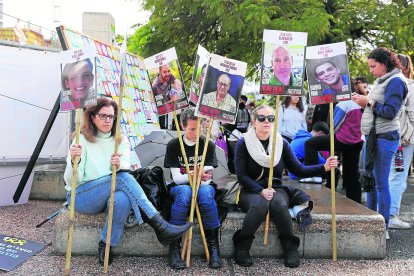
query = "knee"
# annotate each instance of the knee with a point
(206, 196)
(260, 208)
(126, 178)
(182, 195)
(277, 204)
(121, 201)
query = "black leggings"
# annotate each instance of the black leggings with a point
(256, 206)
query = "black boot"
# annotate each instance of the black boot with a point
(290, 246)
(101, 253)
(213, 247)
(167, 233)
(242, 246)
(174, 259)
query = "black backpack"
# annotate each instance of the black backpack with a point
(152, 182)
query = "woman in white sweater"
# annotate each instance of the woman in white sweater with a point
(96, 152)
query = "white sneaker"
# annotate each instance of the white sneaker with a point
(387, 235)
(316, 179)
(396, 223)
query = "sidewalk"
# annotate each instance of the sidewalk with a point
(20, 221)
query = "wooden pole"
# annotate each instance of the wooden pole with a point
(187, 167)
(333, 204)
(73, 196)
(272, 160)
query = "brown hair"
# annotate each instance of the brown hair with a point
(407, 66)
(386, 57)
(88, 128)
(260, 107)
(299, 105)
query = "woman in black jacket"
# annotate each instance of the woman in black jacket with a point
(252, 161)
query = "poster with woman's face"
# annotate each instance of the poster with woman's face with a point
(283, 60)
(167, 82)
(78, 78)
(200, 69)
(221, 90)
(328, 75)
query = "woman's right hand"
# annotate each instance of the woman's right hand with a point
(75, 150)
(268, 193)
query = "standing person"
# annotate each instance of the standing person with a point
(181, 191)
(97, 142)
(292, 117)
(242, 119)
(347, 140)
(252, 160)
(384, 103)
(398, 180)
(360, 86)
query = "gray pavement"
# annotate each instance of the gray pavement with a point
(20, 221)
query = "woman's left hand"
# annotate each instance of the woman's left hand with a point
(116, 160)
(331, 162)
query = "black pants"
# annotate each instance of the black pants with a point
(350, 162)
(256, 206)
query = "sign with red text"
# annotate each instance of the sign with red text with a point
(200, 69)
(221, 90)
(283, 57)
(167, 81)
(328, 74)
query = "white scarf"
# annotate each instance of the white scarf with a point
(257, 151)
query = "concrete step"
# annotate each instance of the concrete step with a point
(360, 232)
(48, 183)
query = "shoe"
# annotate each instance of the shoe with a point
(213, 247)
(242, 246)
(316, 180)
(166, 232)
(396, 223)
(131, 220)
(174, 255)
(101, 253)
(387, 235)
(290, 246)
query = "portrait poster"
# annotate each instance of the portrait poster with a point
(167, 82)
(328, 74)
(200, 69)
(222, 88)
(78, 81)
(283, 63)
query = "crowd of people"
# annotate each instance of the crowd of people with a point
(388, 107)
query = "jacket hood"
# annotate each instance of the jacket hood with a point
(302, 134)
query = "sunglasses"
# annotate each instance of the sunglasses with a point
(262, 118)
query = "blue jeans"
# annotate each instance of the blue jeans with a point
(182, 201)
(378, 199)
(93, 198)
(398, 180)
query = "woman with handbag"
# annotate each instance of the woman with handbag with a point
(252, 161)
(383, 105)
(398, 180)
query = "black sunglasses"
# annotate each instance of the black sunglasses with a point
(262, 118)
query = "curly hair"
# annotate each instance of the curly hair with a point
(88, 128)
(386, 57)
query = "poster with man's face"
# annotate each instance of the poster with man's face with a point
(221, 90)
(200, 69)
(283, 59)
(328, 75)
(78, 79)
(167, 82)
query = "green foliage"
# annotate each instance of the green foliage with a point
(234, 28)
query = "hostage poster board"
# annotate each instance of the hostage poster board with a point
(222, 87)
(78, 78)
(139, 113)
(15, 251)
(283, 58)
(200, 69)
(167, 82)
(328, 75)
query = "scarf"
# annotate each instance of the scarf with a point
(258, 152)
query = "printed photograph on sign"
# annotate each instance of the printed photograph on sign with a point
(200, 69)
(283, 56)
(328, 74)
(78, 79)
(222, 89)
(166, 81)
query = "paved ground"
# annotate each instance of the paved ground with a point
(20, 221)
